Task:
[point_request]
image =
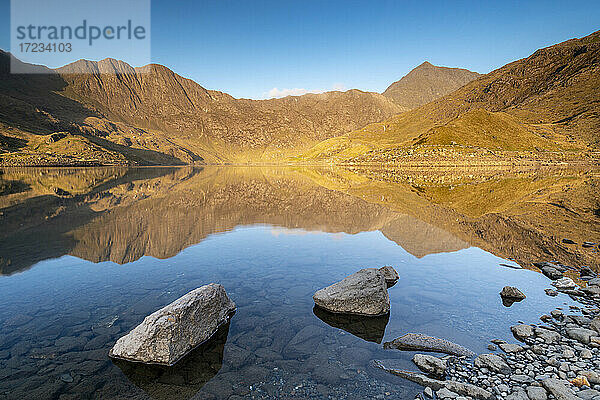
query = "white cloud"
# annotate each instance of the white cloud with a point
(277, 93)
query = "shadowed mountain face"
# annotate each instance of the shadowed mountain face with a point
(120, 214)
(426, 83)
(548, 101)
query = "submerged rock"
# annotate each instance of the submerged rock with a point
(167, 335)
(390, 275)
(367, 328)
(418, 342)
(362, 293)
(184, 379)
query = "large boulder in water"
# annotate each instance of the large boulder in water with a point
(362, 293)
(170, 333)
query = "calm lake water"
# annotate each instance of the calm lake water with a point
(87, 254)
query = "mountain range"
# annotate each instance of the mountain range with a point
(107, 112)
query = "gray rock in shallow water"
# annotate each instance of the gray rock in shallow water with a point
(390, 275)
(167, 335)
(418, 342)
(430, 364)
(493, 362)
(362, 293)
(511, 292)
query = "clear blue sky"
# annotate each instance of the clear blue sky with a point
(247, 48)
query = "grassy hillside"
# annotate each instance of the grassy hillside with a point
(548, 101)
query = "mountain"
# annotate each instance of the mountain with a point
(426, 83)
(548, 101)
(151, 115)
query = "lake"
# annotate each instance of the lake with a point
(86, 254)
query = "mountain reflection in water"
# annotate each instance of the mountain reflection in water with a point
(120, 214)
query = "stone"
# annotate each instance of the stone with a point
(588, 394)
(536, 393)
(594, 282)
(552, 273)
(558, 389)
(460, 388)
(510, 347)
(568, 241)
(522, 331)
(428, 392)
(592, 376)
(362, 293)
(586, 271)
(444, 393)
(492, 362)
(582, 335)
(167, 335)
(580, 381)
(547, 335)
(591, 290)
(511, 292)
(564, 284)
(390, 275)
(430, 364)
(419, 342)
(551, 292)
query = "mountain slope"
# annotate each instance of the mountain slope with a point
(554, 94)
(151, 115)
(426, 83)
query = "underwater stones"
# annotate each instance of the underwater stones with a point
(167, 335)
(368, 328)
(362, 293)
(419, 342)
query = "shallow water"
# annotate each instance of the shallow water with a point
(271, 244)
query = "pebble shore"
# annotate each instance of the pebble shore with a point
(557, 358)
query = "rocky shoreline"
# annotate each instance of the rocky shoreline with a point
(558, 358)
